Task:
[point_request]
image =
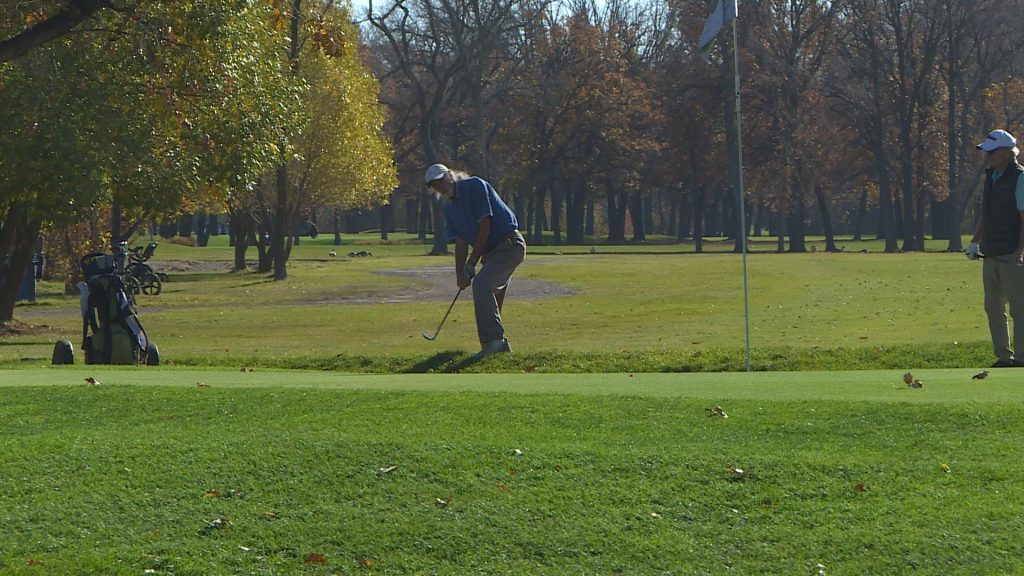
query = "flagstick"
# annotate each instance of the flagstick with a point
(742, 204)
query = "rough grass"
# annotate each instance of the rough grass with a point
(531, 474)
(630, 311)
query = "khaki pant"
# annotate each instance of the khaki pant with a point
(491, 282)
(1004, 283)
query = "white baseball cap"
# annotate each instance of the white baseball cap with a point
(999, 139)
(435, 172)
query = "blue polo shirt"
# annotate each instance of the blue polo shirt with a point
(475, 199)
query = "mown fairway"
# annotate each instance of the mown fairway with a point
(503, 474)
(654, 302)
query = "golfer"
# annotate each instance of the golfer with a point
(999, 237)
(478, 219)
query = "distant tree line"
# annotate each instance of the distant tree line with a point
(860, 116)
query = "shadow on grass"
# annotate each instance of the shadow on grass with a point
(447, 362)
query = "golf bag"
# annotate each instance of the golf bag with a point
(111, 331)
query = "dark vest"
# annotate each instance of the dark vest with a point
(1002, 219)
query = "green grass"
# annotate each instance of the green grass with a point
(645, 311)
(615, 474)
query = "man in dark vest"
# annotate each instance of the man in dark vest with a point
(999, 238)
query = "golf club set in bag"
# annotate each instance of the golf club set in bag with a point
(111, 331)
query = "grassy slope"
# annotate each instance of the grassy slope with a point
(667, 305)
(617, 474)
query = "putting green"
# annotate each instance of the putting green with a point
(943, 386)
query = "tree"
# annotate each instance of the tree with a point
(169, 106)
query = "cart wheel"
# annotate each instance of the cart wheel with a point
(150, 284)
(152, 355)
(132, 286)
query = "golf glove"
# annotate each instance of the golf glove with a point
(973, 251)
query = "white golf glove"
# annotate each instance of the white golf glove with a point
(973, 251)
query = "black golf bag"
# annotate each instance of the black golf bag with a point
(111, 331)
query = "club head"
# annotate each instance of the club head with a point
(428, 336)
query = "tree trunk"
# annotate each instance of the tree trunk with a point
(202, 230)
(683, 215)
(556, 212)
(242, 229)
(636, 211)
(826, 220)
(698, 220)
(440, 247)
(386, 215)
(411, 215)
(282, 225)
(424, 217)
(24, 232)
(591, 216)
(862, 208)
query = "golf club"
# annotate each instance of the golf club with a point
(450, 306)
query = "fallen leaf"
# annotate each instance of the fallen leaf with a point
(945, 467)
(246, 369)
(202, 385)
(386, 470)
(980, 375)
(34, 562)
(655, 515)
(313, 558)
(92, 381)
(862, 487)
(367, 563)
(738, 472)
(441, 503)
(502, 486)
(211, 493)
(216, 524)
(716, 411)
(269, 514)
(908, 378)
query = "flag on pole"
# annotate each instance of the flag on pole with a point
(723, 12)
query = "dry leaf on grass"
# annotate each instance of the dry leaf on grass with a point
(386, 470)
(314, 558)
(716, 411)
(202, 385)
(945, 467)
(440, 503)
(92, 381)
(211, 493)
(367, 563)
(861, 487)
(737, 473)
(216, 524)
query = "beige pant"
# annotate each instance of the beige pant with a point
(490, 284)
(1004, 283)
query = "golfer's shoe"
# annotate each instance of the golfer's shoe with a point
(494, 347)
(1010, 363)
